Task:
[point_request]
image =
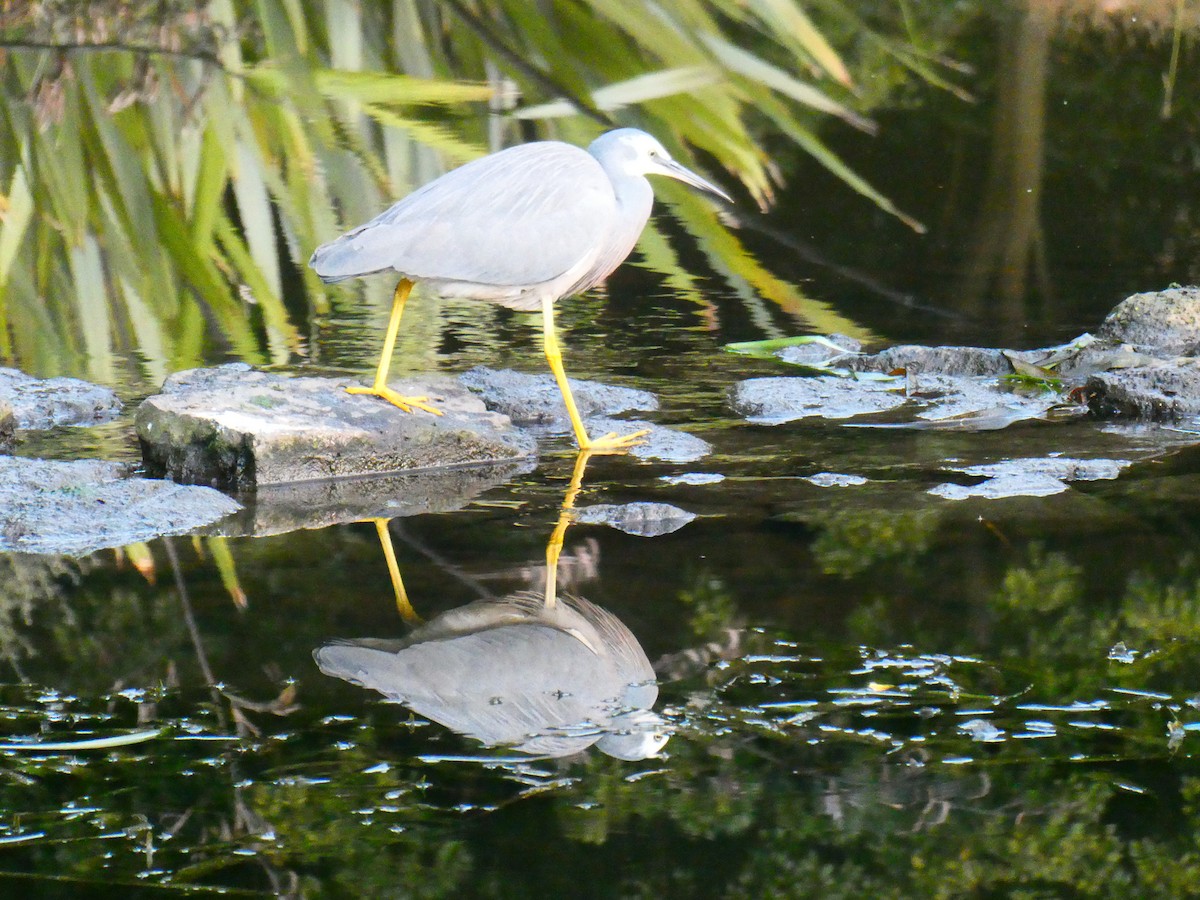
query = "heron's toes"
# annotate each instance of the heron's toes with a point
(616, 443)
(396, 398)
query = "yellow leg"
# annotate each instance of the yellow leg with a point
(407, 613)
(380, 387)
(555, 545)
(611, 442)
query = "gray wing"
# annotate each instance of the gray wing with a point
(522, 216)
(523, 685)
(633, 671)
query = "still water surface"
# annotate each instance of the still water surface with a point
(868, 690)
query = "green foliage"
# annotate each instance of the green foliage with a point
(27, 582)
(1161, 611)
(854, 542)
(1047, 583)
(1033, 382)
(163, 177)
(711, 605)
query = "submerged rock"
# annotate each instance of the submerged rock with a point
(693, 478)
(928, 401)
(1002, 486)
(660, 442)
(641, 519)
(76, 508)
(1066, 468)
(772, 401)
(235, 427)
(977, 404)
(1030, 477)
(834, 347)
(38, 403)
(536, 400)
(835, 479)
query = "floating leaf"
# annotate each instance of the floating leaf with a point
(767, 349)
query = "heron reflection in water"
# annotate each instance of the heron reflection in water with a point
(539, 673)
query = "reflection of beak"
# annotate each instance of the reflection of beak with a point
(672, 169)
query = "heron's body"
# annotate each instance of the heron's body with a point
(579, 242)
(523, 227)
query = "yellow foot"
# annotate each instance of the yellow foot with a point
(614, 443)
(395, 398)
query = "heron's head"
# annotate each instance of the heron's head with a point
(630, 151)
(635, 734)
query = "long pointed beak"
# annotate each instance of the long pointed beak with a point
(672, 169)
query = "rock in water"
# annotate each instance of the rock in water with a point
(536, 400)
(80, 507)
(1161, 323)
(50, 402)
(8, 425)
(236, 428)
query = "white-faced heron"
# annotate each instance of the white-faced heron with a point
(522, 227)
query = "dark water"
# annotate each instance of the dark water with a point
(870, 691)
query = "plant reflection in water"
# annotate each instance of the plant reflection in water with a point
(537, 672)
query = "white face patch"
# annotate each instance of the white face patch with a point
(640, 154)
(649, 156)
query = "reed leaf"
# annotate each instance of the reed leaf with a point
(638, 89)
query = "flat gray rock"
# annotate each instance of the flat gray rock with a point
(1142, 363)
(1164, 323)
(977, 404)
(76, 508)
(930, 400)
(1161, 393)
(49, 402)
(535, 399)
(773, 401)
(1029, 477)
(835, 479)
(963, 361)
(8, 424)
(1065, 468)
(238, 428)
(661, 443)
(642, 519)
(1001, 487)
(693, 478)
